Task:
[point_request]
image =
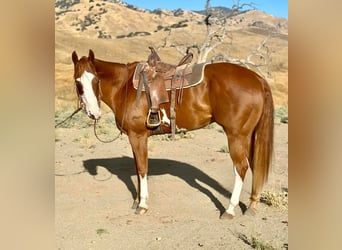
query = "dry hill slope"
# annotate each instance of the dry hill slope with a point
(122, 33)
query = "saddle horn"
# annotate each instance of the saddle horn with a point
(153, 58)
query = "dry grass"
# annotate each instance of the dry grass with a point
(275, 199)
(255, 242)
(224, 149)
(281, 114)
(79, 120)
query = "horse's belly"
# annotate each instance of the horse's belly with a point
(193, 119)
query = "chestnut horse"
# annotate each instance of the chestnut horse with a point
(234, 97)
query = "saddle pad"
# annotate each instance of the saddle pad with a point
(193, 75)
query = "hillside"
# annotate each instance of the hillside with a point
(122, 33)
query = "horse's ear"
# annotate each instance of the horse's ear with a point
(74, 57)
(91, 55)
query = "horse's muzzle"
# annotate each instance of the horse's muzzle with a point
(96, 116)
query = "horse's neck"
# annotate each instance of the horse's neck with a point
(114, 77)
(109, 73)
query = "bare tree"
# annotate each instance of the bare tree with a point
(258, 59)
(218, 34)
(217, 29)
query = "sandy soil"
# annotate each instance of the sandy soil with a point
(190, 183)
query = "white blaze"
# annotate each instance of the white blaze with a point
(88, 96)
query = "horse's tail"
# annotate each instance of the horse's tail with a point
(262, 143)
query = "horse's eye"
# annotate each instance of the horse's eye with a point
(79, 87)
(95, 80)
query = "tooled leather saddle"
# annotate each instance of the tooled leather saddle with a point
(156, 78)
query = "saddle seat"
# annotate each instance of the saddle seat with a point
(183, 76)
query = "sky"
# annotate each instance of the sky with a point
(278, 8)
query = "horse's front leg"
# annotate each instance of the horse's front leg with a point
(139, 148)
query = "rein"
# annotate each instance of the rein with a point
(123, 116)
(109, 141)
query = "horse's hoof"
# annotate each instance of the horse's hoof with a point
(135, 205)
(226, 216)
(140, 210)
(250, 212)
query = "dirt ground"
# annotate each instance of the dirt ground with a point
(190, 183)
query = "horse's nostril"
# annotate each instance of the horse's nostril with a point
(94, 117)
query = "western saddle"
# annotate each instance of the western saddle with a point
(156, 78)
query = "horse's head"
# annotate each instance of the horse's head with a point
(87, 84)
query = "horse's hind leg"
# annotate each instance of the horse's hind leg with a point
(256, 191)
(238, 149)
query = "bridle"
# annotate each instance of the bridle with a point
(81, 105)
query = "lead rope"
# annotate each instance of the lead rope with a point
(79, 108)
(123, 117)
(69, 117)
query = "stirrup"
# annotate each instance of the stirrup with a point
(155, 120)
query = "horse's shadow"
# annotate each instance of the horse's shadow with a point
(123, 168)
